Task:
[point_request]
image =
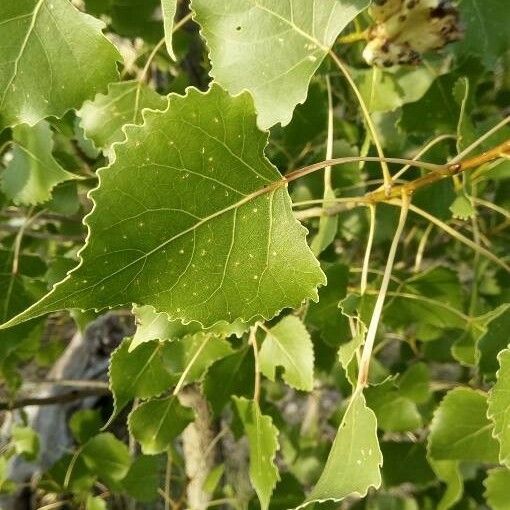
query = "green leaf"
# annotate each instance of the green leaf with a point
(355, 459)
(271, 49)
(448, 471)
(405, 462)
(156, 423)
(195, 354)
(169, 8)
(85, 424)
(486, 30)
(231, 375)
(462, 208)
(325, 315)
(142, 480)
(496, 484)
(53, 58)
(26, 442)
(389, 89)
(288, 345)
(140, 373)
(238, 255)
(394, 412)
(499, 407)
(95, 503)
(415, 383)
(32, 173)
(460, 429)
(156, 326)
(328, 225)
(494, 340)
(102, 119)
(263, 441)
(107, 457)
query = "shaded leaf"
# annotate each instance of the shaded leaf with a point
(142, 479)
(494, 340)
(26, 441)
(140, 373)
(84, 424)
(156, 423)
(263, 441)
(448, 471)
(107, 457)
(288, 345)
(238, 255)
(271, 48)
(231, 375)
(51, 40)
(460, 429)
(33, 172)
(102, 118)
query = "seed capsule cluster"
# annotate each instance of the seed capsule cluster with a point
(406, 29)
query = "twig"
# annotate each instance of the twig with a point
(54, 399)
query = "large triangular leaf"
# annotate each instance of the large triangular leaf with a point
(53, 58)
(271, 48)
(263, 440)
(499, 407)
(355, 459)
(288, 344)
(32, 172)
(238, 254)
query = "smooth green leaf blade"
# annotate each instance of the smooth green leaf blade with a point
(25, 441)
(142, 479)
(140, 373)
(95, 503)
(63, 48)
(499, 407)
(102, 118)
(288, 344)
(415, 383)
(107, 457)
(448, 471)
(486, 30)
(271, 49)
(156, 423)
(85, 424)
(194, 354)
(32, 172)
(355, 459)
(496, 485)
(495, 339)
(169, 8)
(263, 441)
(240, 254)
(460, 429)
(231, 375)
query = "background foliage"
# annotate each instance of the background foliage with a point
(173, 337)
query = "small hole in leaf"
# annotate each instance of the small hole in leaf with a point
(238, 28)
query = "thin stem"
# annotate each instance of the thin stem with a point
(368, 250)
(421, 248)
(376, 314)
(368, 119)
(19, 238)
(480, 140)
(329, 142)
(490, 205)
(70, 468)
(185, 373)
(449, 230)
(354, 37)
(253, 342)
(168, 478)
(301, 172)
(422, 152)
